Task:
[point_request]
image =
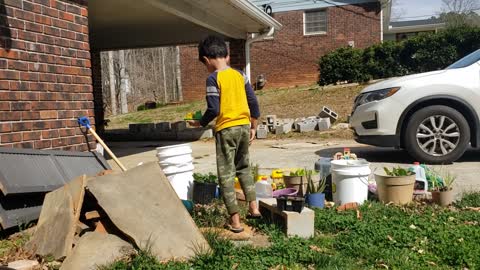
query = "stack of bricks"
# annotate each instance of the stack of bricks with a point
(45, 74)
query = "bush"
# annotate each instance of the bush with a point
(425, 52)
(344, 64)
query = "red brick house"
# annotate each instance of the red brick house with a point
(310, 30)
(50, 56)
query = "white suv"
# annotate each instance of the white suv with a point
(433, 115)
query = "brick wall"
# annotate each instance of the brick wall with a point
(292, 59)
(194, 72)
(45, 74)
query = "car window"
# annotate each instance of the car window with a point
(467, 60)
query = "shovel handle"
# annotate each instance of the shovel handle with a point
(83, 121)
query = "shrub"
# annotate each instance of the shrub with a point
(425, 52)
(344, 64)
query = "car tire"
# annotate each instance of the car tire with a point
(442, 140)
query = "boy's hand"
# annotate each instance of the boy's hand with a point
(194, 123)
(253, 132)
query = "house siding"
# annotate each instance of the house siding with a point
(45, 74)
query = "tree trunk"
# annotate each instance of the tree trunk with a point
(123, 83)
(165, 98)
(111, 72)
(178, 68)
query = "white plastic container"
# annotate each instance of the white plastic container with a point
(263, 189)
(350, 181)
(421, 183)
(177, 163)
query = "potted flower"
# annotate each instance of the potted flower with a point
(315, 196)
(204, 188)
(395, 185)
(442, 188)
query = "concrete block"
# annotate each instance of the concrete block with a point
(307, 125)
(184, 135)
(327, 112)
(163, 126)
(144, 129)
(262, 132)
(179, 126)
(292, 223)
(23, 265)
(283, 128)
(323, 124)
(271, 120)
(202, 133)
(296, 121)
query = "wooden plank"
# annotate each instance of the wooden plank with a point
(58, 220)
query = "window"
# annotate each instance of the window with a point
(315, 22)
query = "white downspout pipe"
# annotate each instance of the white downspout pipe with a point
(247, 49)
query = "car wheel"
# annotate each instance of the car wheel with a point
(437, 135)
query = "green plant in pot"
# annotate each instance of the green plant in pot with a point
(395, 185)
(204, 188)
(442, 187)
(315, 196)
(298, 180)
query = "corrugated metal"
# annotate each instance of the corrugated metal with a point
(26, 170)
(27, 175)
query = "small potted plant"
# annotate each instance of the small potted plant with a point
(395, 185)
(297, 180)
(442, 188)
(315, 196)
(204, 188)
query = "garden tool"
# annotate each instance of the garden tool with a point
(83, 121)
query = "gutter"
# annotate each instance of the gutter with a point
(256, 13)
(248, 44)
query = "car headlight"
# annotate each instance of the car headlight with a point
(375, 95)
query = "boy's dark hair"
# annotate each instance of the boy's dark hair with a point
(212, 47)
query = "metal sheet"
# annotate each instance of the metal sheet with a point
(27, 175)
(27, 171)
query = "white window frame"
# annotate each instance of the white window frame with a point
(305, 23)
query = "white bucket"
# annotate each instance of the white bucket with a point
(350, 181)
(177, 163)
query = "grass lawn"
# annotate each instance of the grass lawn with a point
(285, 103)
(418, 236)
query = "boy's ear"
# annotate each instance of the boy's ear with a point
(206, 61)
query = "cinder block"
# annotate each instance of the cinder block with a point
(295, 123)
(328, 113)
(184, 135)
(292, 223)
(179, 126)
(271, 120)
(202, 133)
(142, 129)
(262, 132)
(283, 128)
(307, 125)
(163, 126)
(323, 124)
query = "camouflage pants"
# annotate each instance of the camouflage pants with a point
(233, 160)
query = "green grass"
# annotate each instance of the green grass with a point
(386, 237)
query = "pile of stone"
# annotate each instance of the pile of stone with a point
(272, 124)
(96, 221)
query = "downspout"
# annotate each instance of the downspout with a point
(247, 49)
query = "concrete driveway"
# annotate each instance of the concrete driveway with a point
(300, 154)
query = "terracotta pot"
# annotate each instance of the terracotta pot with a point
(299, 183)
(396, 189)
(443, 198)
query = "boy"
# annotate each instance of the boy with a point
(230, 99)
